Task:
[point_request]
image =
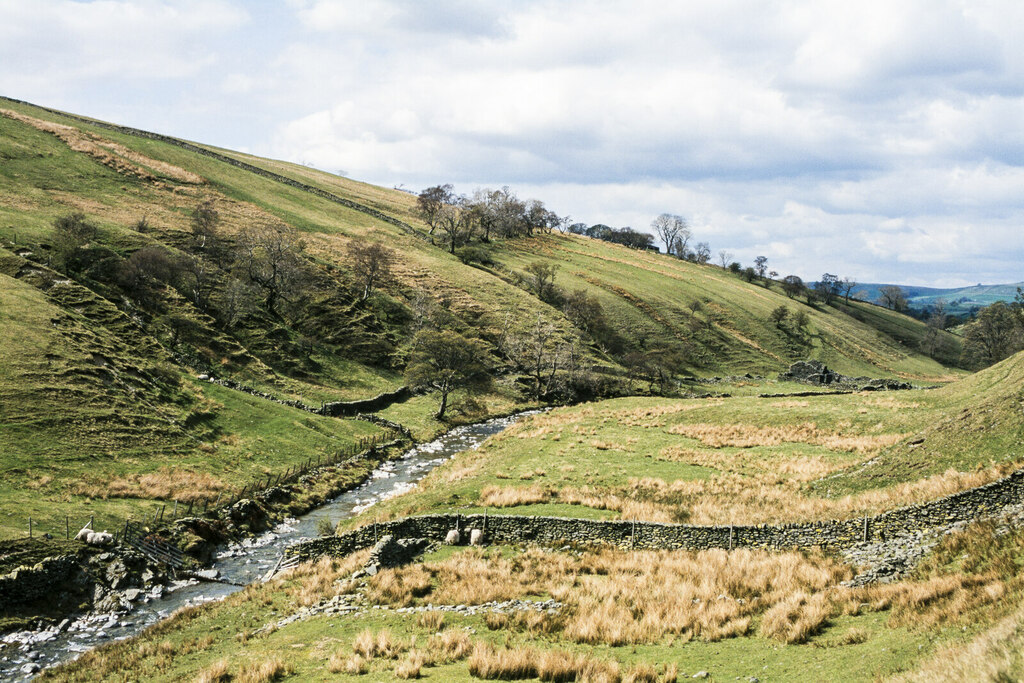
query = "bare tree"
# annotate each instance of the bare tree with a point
(702, 252)
(892, 296)
(724, 257)
(271, 258)
(371, 264)
(235, 301)
(431, 200)
(457, 222)
(672, 229)
(535, 350)
(848, 286)
(196, 280)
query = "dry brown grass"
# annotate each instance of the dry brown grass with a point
(218, 672)
(505, 664)
(450, 646)
(750, 436)
(312, 582)
(616, 597)
(263, 672)
(433, 621)
(994, 655)
(774, 499)
(412, 664)
(167, 484)
(108, 153)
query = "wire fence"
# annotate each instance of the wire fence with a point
(168, 512)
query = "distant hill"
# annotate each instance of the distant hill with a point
(959, 300)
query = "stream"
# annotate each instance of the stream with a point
(25, 653)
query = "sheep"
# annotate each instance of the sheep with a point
(100, 538)
(476, 537)
(83, 534)
(453, 537)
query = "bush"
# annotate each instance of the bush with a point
(475, 254)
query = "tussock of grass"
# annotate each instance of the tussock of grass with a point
(167, 484)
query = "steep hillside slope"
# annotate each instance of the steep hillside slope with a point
(101, 349)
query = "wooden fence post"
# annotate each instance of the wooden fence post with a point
(30, 527)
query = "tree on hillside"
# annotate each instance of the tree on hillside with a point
(792, 285)
(724, 257)
(761, 266)
(936, 323)
(204, 222)
(702, 252)
(892, 297)
(71, 233)
(828, 288)
(541, 279)
(672, 230)
(996, 333)
(458, 223)
(848, 286)
(536, 350)
(196, 280)
(270, 256)
(445, 361)
(371, 264)
(779, 315)
(430, 201)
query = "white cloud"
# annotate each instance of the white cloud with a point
(874, 139)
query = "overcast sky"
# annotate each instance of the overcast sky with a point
(878, 140)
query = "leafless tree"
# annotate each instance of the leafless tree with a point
(702, 252)
(848, 286)
(371, 264)
(724, 257)
(431, 200)
(673, 231)
(541, 278)
(892, 296)
(270, 256)
(458, 223)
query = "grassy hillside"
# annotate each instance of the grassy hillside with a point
(98, 372)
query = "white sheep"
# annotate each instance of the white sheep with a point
(453, 537)
(100, 538)
(83, 534)
(476, 537)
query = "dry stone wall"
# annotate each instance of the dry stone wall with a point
(832, 535)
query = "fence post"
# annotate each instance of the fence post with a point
(92, 522)
(30, 527)
(730, 537)
(67, 528)
(175, 513)
(162, 508)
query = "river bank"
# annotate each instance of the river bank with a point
(245, 559)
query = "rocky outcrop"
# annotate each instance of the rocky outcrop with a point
(817, 373)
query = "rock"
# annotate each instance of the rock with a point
(453, 537)
(207, 574)
(132, 594)
(701, 674)
(30, 669)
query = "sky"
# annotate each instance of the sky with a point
(878, 140)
